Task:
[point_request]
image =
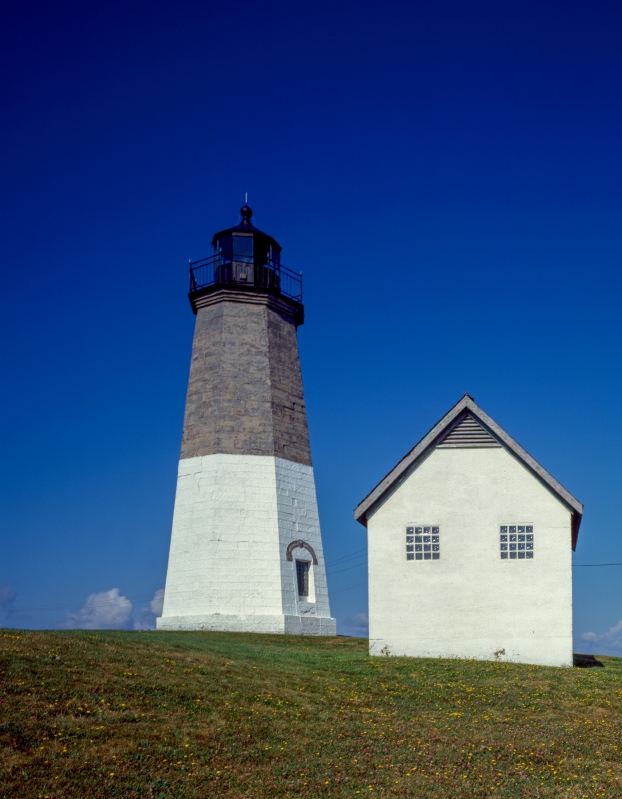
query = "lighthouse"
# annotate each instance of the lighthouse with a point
(246, 549)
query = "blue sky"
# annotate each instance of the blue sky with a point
(446, 175)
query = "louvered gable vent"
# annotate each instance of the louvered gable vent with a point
(467, 433)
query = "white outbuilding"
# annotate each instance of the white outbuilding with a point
(470, 546)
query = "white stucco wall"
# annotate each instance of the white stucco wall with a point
(234, 517)
(470, 603)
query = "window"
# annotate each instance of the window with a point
(423, 543)
(243, 245)
(302, 575)
(516, 541)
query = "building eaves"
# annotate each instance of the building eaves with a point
(467, 403)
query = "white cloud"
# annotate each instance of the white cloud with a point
(357, 625)
(149, 615)
(107, 610)
(606, 643)
(7, 598)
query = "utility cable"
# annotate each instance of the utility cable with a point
(347, 557)
(347, 569)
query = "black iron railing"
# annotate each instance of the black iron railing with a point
(245, 271)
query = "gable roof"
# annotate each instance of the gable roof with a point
(466, 431)
(467, 425)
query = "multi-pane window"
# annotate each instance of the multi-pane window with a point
(423, 543)
(516, 541)
(302, 576)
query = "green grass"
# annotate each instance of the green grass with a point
(124, 714)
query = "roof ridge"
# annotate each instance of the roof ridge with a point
(467, 403)
(466, 431)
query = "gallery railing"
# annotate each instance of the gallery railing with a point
(245, 271)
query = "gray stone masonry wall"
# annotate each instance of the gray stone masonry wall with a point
(245, 393)
(289, 414)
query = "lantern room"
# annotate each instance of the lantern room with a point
(245, 259)
(245, 242)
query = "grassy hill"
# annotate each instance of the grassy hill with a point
(127, 714)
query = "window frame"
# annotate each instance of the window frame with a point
(516, 541)
(423, 542)
(307, 577)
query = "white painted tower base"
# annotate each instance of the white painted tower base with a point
(239, 525)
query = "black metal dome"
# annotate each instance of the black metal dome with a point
(245, 259)
(263, 245)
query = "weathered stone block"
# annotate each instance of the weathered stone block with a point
(245, 392)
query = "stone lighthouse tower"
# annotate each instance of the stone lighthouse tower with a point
(246, 549)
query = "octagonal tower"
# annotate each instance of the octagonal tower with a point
(246, 549)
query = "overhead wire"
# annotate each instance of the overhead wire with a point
(360, 553)
(347, 569)
(347, 557)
